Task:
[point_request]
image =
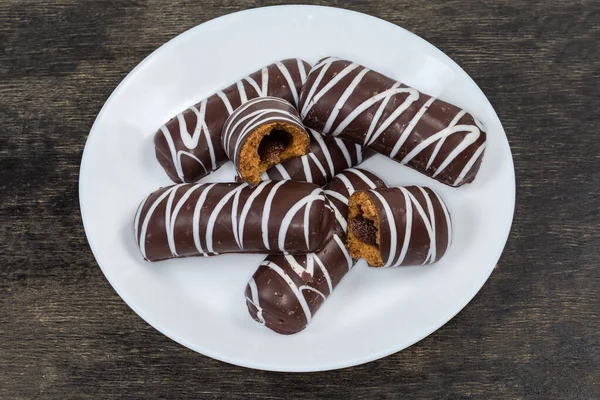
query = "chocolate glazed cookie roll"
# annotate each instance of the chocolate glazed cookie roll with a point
(438, 139)
(398, 226)
(207, 219)
(261, 133)
(286, 291)
(328, 156)
(189, 145)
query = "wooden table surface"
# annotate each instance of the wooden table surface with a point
(533, 332)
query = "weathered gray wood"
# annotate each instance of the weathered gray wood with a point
(532, 332)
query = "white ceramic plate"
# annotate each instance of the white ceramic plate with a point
(200, 302)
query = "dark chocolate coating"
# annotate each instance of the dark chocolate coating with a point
(436, 138)
(328, 156)
(286, 291)
(213, 218)
(414, 225)
(190, 152)
(251, 116)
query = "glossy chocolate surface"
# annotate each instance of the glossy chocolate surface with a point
(189, 145)
(286, 291)
(208, 219)
(352, 102)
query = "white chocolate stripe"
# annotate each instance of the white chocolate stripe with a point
(196, 218)
(267, 213)
(170, 220)
(409, 128)
(325, 152)
(189, 141)
(299, 269)
(359, 157)
(337, 196)
(211, 149)
(448, 219)
(412, 97)
(290, 81)
(349, 186)
(343, 248)
(190, 155)
(306, 223)
(362, 176)
(311, 101)
(408, 229)
(174, 154)
(429, 220)
(392, 227)
(293, 287)
(289, 215)
(136, 222)
(368, 141)
(213, 216)
(325, 66)
(440, 142)
(344, 97)
(246, 209)
(254, 300)
(265, 81)
(253, 83)
(324, 271)
(339, 217)
(301, 70)
(283, 172)
(142, 242)
(468, 140)
(168, 207)
(306, 287)
(323, 62)
(234, 225)
(200, 117)
(242, 91)
(305, 168)
(226, 101)
(470, 164)
(342, 146)
(432, 254)
(318, 164)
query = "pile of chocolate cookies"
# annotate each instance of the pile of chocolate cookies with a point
(295, 135)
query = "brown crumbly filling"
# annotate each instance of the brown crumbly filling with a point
(268, 145)
(363, 229)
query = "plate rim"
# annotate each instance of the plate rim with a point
(259, 365)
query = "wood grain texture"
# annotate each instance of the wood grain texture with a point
(533, 332)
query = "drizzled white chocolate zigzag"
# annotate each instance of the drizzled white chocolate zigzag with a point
(328, 96)
(313, 274)
(401, 235)
(189, 145)
(206, 219)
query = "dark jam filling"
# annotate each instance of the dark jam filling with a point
(364, 229)
(272, 145)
